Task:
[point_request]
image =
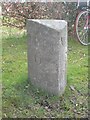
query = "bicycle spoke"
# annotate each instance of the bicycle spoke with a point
(84, 35)
(82, 28)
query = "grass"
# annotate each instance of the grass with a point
(22, 100)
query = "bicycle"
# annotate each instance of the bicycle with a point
(82, 24)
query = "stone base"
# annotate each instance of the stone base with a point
(47, 54)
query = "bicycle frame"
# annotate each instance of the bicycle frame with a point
(87, 24)
(81, 29)
(83, 15)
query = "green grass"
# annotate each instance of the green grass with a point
(20, 99)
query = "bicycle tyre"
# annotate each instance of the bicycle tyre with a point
(82, 34)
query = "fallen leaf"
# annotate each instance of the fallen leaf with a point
(72, 88)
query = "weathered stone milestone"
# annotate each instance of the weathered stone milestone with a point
(47, 54)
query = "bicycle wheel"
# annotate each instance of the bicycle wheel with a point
(81, 30)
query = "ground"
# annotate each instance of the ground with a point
(22, 100)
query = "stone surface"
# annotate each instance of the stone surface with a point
(47, 54)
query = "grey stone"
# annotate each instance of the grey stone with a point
(47, 54)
